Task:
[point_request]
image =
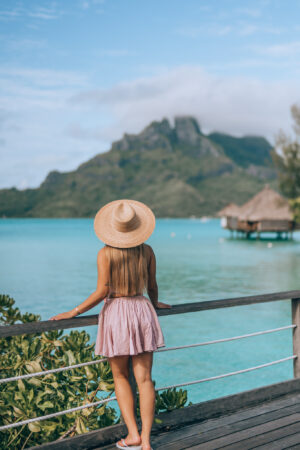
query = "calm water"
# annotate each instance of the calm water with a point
(49, 266)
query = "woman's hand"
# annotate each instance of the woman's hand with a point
(161, 305)
(65, 315)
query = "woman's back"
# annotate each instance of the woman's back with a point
(130, 271)
(128, 323)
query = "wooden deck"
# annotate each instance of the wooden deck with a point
(262, 418)
(271, 425)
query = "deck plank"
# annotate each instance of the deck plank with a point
(227, 432)
(266, 438)
(288, 442)
(275, 409)
(241, 439)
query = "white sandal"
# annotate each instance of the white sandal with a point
(132, 447)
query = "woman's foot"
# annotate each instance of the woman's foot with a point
(146, 445)
(131, 440)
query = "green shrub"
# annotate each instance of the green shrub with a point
(38, 396)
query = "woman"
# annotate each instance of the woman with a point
(128, 323)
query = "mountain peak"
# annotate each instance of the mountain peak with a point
(187, 129)
(156, 135)
(161, 127)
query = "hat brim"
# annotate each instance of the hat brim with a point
(105, 231)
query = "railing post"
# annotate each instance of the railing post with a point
(132, 383)
(296, 335)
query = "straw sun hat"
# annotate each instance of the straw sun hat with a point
(124, 223)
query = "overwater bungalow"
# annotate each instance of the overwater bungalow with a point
(229, 216)
(267, 211)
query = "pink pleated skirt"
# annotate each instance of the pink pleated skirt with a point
(128, 326)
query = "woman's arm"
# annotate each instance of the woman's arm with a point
(97, 296)
(152, 287)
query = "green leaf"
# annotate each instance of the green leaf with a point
(33, 366)
(80, 427)
(89, 373)
(21, 385)
(49, 426)
(71, 357)
(104, 386)
(18, 411)
(30, 395)
(46, 405)
(35, 381)
(34, 427)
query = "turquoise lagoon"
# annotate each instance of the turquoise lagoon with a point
(49, 266)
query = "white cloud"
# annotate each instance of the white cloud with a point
(248, 29)
(234, 105)
(86, 4)
(41, 78)
(41, 15)
(22, 45)
(45, 13)
(240, 28)
(10, 14)
(279, 50)
(251, 12)
(32, 119)
(48, 126)
(115, 52)
(211, 29)
(39, 12)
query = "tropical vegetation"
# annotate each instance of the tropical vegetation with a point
(42, 395)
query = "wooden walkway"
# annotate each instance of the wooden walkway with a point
(269, 426)
(264, 418)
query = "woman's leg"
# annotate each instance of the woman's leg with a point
(142, 366)
(120, 369)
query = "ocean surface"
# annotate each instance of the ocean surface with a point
(49, 266)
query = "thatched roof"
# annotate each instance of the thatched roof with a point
(230, 210)
(266, 205)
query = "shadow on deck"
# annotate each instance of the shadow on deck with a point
(263, 418)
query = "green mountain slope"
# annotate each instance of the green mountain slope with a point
(245, 150)
(177, 171)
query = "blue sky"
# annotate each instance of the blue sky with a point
(76, 75)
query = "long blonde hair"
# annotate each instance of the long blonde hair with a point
(128, 273)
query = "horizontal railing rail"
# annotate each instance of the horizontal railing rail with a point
(84, 321)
